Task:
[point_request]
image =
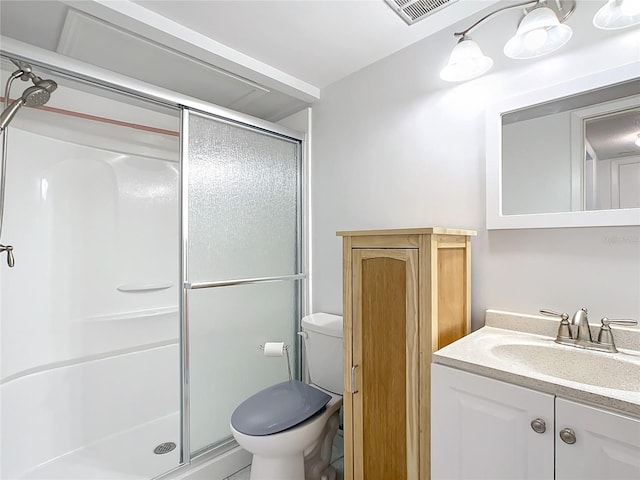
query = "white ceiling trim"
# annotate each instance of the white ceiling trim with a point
(149, 24)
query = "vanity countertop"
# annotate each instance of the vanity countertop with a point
(519, 349)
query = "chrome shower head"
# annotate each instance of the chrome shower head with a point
(34, 96)
(39, 93)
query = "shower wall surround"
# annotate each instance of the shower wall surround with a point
(90, 322)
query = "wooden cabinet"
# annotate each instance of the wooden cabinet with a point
(482, 428)
(406, 294)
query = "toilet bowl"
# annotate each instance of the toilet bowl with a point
(289, 427)
(302, 452)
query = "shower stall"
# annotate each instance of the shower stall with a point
(157, 242)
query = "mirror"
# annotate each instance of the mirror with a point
(568, 155)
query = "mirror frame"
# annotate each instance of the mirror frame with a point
(590, 218)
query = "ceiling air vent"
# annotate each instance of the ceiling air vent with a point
(412, 11)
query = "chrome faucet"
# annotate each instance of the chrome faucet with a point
(580, 330)
(578, 334)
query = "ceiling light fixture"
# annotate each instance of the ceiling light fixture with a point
(617, 14)
(465, 62)
(637, 142)
(541, 31)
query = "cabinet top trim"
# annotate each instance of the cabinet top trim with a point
(407, 231)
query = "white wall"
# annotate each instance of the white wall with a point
(393, 146)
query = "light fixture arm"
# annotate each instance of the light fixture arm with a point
(518, 5)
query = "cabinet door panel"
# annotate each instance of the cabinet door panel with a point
(385, 339)
(481, 429)
(607, 445)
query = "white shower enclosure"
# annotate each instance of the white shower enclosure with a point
(158, 245)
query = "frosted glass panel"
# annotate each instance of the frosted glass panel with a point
(227, 325)
(243, 193)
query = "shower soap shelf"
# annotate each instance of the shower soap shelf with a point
(144, 287)
(153, 313)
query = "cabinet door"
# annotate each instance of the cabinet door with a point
(481, 429)
(386, 364)
(607, 445)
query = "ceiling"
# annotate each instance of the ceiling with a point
(318, 42)
(613, 136)
(266, 58)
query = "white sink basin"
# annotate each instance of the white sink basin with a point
(617, 371)
(520, 349)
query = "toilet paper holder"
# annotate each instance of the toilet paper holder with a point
(285, 348)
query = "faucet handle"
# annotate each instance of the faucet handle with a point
(564, 330)
(617, 321)
(552, 313)
(605, 336)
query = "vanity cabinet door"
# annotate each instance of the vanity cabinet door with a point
(385, 353)
(607, 445)
(482, 428)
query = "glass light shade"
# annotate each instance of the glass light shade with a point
(466, 62)
(637, 142)
(539, 33)
(617, 14)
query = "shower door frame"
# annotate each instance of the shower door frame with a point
(187, 286)
(67, 67)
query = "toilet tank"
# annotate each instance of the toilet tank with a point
(323, 345)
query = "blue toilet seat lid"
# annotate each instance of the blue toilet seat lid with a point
(278, 408)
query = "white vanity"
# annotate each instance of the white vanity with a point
(510, 403)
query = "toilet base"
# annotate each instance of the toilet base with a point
(329, 474)
(317, 459)
(282, 468)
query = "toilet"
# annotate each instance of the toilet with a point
(289, 427)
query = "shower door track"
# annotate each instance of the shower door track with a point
(243, 281)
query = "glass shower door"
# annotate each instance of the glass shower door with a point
(242, 269)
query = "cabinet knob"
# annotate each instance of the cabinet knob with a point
(538, 425)
(568, 436)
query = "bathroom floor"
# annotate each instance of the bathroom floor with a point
(337, 457)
